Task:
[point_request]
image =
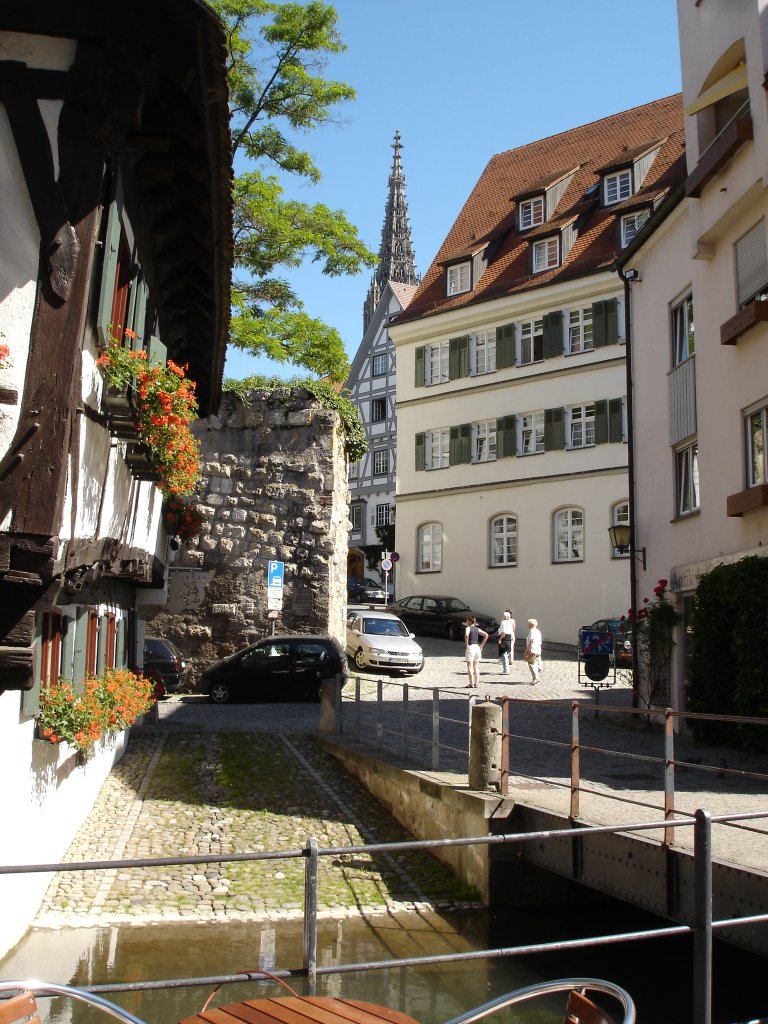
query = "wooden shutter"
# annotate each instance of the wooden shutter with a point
(553, 334)
(505, 346)
(616, 420)
(158, 353)
(554, 429)
(601, 421)
(605, 322)
(751, 264)
(458, 357)
(109, 266)
(420, 463)
(460, 444)
(420, 380)
(506, 438)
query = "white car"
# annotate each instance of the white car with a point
(381, 640)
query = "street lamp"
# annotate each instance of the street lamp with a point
(621, 538)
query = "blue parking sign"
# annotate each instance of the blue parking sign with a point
(275, 574)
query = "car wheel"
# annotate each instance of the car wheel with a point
(220, 693)
(453, 631)
(360, 661)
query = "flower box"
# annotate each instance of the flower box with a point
(120, 410)
(139, 460)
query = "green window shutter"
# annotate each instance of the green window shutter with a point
(138, 318)
(505, 346)
(616, 420)
(420, 367)
(79, 653)
(458, 357)
(506, 441)
(30, 699)
(554, 429)
(605, 323)
(109, 267)
(460, 445)
(553, 334)
(601, 421)
(420, 462)
(158, 353)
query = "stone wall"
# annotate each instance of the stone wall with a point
(274, 488)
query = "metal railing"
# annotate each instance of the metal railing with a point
(702, 930)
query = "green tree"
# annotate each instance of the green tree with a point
(277, 53)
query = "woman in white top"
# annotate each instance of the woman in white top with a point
(533, 648)
(506, 641)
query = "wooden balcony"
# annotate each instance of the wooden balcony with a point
(753, 313)
(717, 155)
(747, 501)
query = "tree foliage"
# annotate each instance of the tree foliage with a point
(277, 55)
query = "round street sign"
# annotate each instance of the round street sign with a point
(395, 557)
(386, 564)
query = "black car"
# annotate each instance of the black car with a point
(441, 615)
(362, 588)
(612, 631)
(276, 668)
(164, 663)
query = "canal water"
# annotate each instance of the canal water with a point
(658, 974)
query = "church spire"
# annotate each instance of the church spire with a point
(396, 259)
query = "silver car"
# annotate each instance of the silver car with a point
(379, 640)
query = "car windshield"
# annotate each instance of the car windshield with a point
(384, 627)
(453, 604)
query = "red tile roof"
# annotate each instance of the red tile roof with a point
(489, 213)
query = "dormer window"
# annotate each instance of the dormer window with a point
(459, 278)
(631, 224)
(531, 212)
(616, 187)
(545, 254)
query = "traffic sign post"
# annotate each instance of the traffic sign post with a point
(386, 568)
(275, 579)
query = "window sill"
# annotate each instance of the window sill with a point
(682, 516)
(568, 561)
(747, 501)
(753, 313)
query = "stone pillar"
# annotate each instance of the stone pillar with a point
(485, 747)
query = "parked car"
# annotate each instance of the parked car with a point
(164, 663)
(441, 615)
(276, 668)
(362, 588)
(620, 632)
(381, 640)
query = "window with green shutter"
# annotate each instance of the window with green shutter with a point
(601, 421)
(505, 346)
(460, 445)
(420, 451)
(458, 357)
(554, 429)
(605, 322)
(420, 364)
(506, 441)
(616, 420)
(553, 334)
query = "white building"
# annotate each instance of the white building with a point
(512, 458)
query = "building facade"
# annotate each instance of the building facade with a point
(511, 396)
(372, 381)
(699, 323)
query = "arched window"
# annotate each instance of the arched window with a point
(429, 548)
(619, 517)
(503, 540)
(568, 531)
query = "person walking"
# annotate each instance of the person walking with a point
(506, 641)
(474, 649)
(533, 650)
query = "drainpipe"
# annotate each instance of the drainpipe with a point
(628, 277)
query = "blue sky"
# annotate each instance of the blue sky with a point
(460, 82)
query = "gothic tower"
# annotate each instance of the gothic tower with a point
(396, 259)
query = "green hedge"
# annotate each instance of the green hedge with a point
(727, 673)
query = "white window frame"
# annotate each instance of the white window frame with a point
(568, 524)
(458, 278)
(581, 425)
(374, 404)
(503, 540)
(620, 517)
(357, 519)
(751, 264)
(484, 441)
(580, 330)
(687, 497)
(437, 448)
(531, 213)
(681, 315)
(482, 353)
(756, 428)
(546, 254)
(530, 433)
(617, 186)
(379, 365)
(383, 514)
(381, 462)
(630, 225)
(429, 547)
(436, 363)
(531, 338)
